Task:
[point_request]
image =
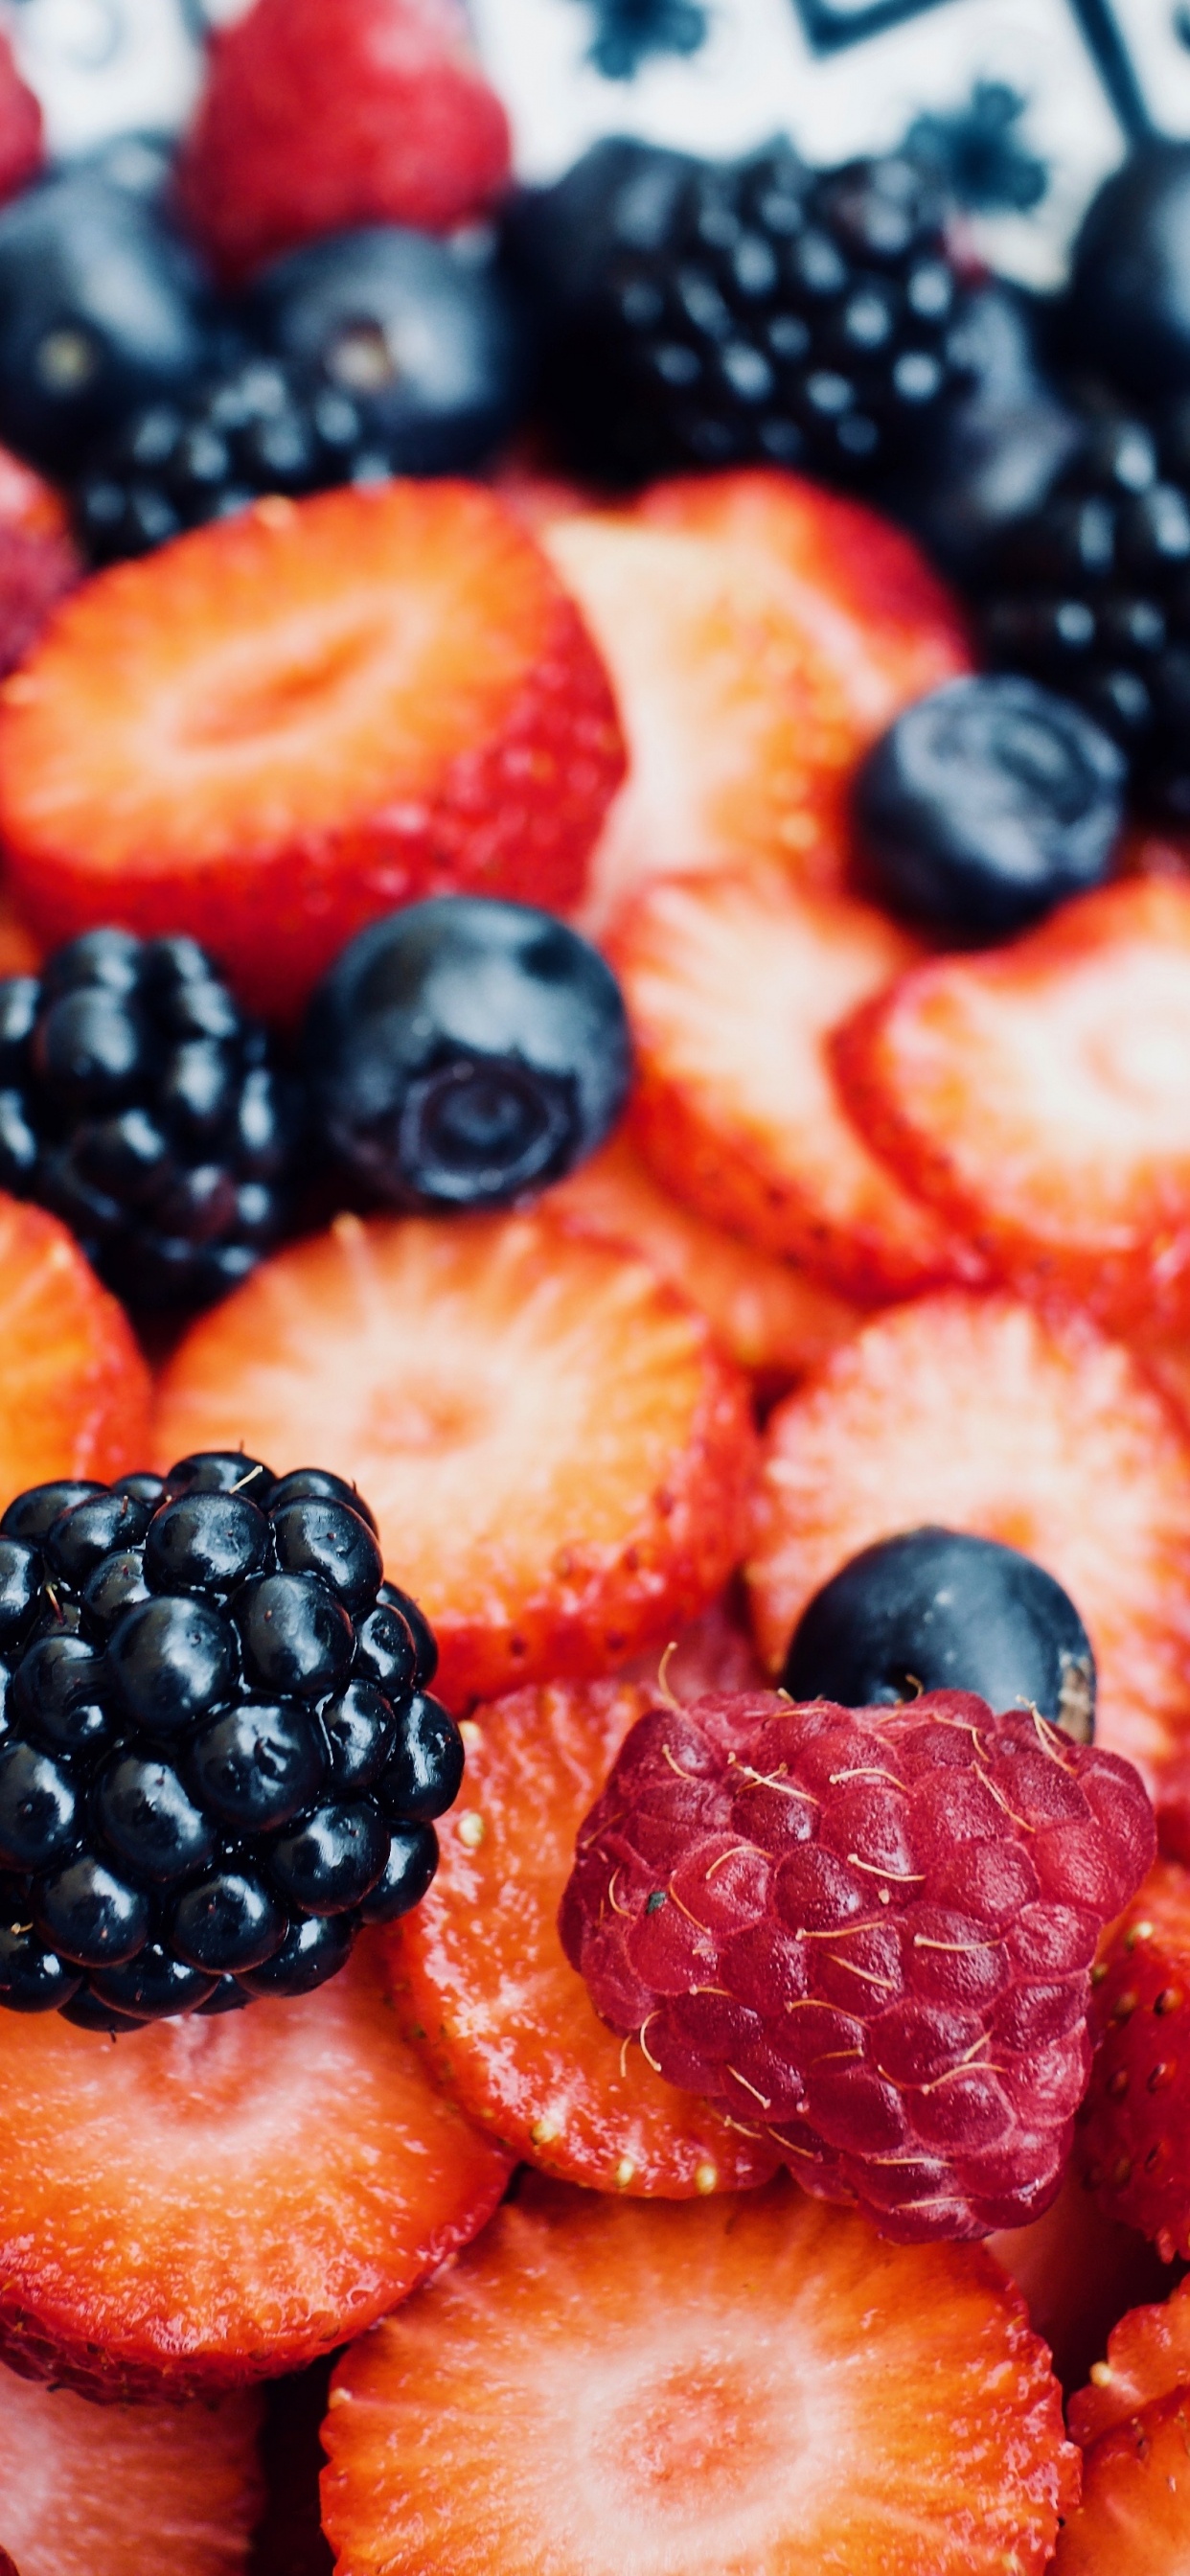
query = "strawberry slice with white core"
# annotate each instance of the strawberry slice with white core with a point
(974, 1412)
(1039, 1096)
(217, 2200)
(126, 2490)
(756, 2385)
(74, 1389)
(560, 1461)
(734, 982)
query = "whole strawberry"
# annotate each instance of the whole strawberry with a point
(867, 1933)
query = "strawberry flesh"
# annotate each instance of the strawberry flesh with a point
(121, 2491)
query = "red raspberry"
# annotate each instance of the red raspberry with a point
(868, 1933)
(322, 114)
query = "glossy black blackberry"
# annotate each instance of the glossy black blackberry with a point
(139, 1103)
(219, 1756)
(937, 1609)
(714, 313)
(1090, 593)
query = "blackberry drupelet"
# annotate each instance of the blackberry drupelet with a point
(141, 1105)
(711, 314)
(218, 1754)
(1090, 593)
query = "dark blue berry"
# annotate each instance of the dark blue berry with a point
(221, 1471)
(32, 1515)
(152, 1986)
(412, 1861)
(205, 1543)
(101, 307)
(330, 1860)
(32, 1978)
(386, 1652)
(115, 1586)
(360, 1726)
(149, 1822)
(421, 342)
(85, 1533)
(992, 448)
(425, 1643)
(988, 803)
(464, 1051)
(1128, 303)
(170, 1661)
(228, 1923)
(20, 1584)
(936, 1609)
(426, 1772)
(311, 1952)
(317, 1484)
(89, 1915)
(59, 1692)
(297, 1639)
(38, 1807)
(331, 1541)
(87, 2013)
(256, 1765)
(226, 1995)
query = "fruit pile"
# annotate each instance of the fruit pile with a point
(637, 1024)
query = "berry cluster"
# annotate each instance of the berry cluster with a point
(138, 1102)
(717, 313)
(866, 1934)
(217, 1756)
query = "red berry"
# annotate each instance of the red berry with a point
(1148, 2356)
(74, 1390)
(38, 560)
(751, 2384)
(22, 144)
(1134, 2519)
(322, 114)
(1135, 2141)
(126, 2490)
(284, 724)
(867, 1934)
(489, 1998)
(1039, 1098)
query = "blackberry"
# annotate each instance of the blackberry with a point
(711, 314)
(1090, 593)
(141, 1106)
(218, 1753)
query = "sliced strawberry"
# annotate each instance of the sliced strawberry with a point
(125, 2491)
(74, 1390)
(755, 2384)
(775, 1320)
(1077, 2271)
(1135, 2137)
(239, 2193)
(1148, 2356)
(877, 612)
(486, 1991)
(39, 562)
(738, 730)
(408, 131)
(733, 983)
(285, 723)
(1039, 1096)
(977, 1413)
(1134, 2519)
(560, 1461)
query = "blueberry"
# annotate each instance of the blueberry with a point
(424, 344)
(91, 1916)
(329, 1540)
(205, 1543)
(1128, 303)
(101, 306)
(228, 1923)
(412, 1861)
(297, 1638)
(258, 1764)
(426, 1772)
(170, 1662)
(330, 1860)
(149, 1822)
(465, 1050)
(936, 1609)
(987, 803)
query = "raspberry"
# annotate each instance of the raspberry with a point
(867, 1933)
(219, 1757)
